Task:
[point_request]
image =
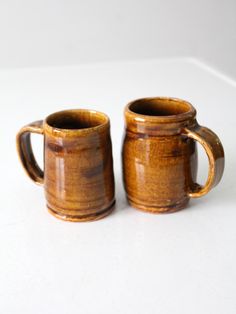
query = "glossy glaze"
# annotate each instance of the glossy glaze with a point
(78, 167)
(160, 155)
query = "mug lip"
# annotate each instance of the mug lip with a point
(138, 117)
(82, 131)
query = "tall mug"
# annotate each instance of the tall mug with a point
(160, 155)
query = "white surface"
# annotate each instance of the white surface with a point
(129, 262)
(62, 32)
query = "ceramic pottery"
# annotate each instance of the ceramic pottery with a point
(78, 168)
(160, 154)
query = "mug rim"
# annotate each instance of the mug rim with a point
(139, 117)
(77, 131)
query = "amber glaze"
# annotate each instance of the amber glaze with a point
(78, 167)
(160, 155)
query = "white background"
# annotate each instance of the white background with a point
(130, 262)
(60, 32)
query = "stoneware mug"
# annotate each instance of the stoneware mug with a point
(78, 167)
(160, 155)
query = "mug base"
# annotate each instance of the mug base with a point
(83, 218)
(159, 210)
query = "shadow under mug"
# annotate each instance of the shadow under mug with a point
(78, 166)
(160, 154)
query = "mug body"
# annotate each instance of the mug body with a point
(78, 165)
(159, 163)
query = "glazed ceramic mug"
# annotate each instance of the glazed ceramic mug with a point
(160, 155)
(78, 167)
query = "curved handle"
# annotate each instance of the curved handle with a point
(215, 152)
(25, 152)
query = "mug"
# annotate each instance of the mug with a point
(78, 174)
(160, 155)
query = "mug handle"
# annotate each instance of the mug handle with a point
(25, 152)
(215, 153)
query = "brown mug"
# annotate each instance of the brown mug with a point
(160, 154)
(78, 174)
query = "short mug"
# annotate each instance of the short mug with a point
(78, 166)
(160, 154)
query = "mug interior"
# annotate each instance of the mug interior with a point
(76, 119)
(160, 107)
